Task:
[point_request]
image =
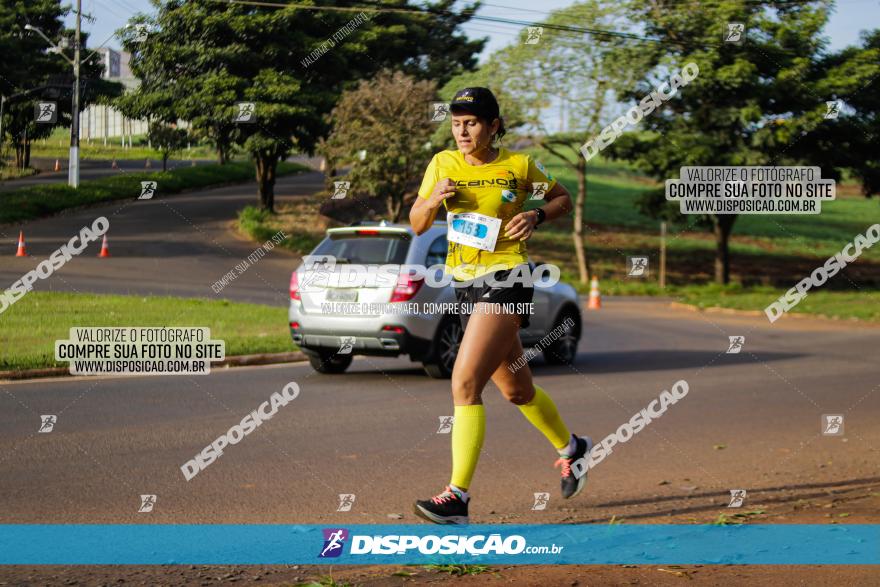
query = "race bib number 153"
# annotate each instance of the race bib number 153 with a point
(473, 230)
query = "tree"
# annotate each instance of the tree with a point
(852, 140)
(393, 160)
(570, 70)
(291, 64)
(25, 68)
(166, 139)
(729, 114)
(171, 90)
(30, 72)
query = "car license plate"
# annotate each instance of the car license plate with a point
(342, 295)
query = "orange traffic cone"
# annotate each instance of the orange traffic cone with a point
(57, 165)
(21, 252)
(105, 251)
(595, 299)
(114, 165)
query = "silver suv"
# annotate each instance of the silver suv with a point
(330, 340)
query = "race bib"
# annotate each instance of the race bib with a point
(473, 230)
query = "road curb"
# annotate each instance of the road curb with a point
(793, 315)
(234, 361)
(716, 309)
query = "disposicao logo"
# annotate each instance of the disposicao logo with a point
(393, 544)
(334, 541)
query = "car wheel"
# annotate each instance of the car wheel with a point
(446, 343)
(329, 363)
(564, 349)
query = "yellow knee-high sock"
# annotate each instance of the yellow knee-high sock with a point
(468, 431)
(542, 413)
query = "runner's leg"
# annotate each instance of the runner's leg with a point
(532, 400)
(485, 344)
(539, 409)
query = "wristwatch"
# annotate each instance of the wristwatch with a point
(541, 216)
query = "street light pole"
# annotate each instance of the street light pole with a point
(73, 168)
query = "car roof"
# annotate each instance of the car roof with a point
(382, 226)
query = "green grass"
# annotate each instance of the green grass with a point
(29, 328)
(736, 519)
(768, 256)
(12, 172)
(57, 146)
(769, 253)
(861, 305)
(844, 305)
(613, 189)
(43, 200)
(460, 570)
(260, 225)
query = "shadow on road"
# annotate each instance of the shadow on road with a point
(610, 362)
(659, 360)
(757, 496)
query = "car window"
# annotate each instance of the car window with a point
(366, 249)
(437, 252)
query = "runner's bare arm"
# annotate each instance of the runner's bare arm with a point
(523, 224)
(424, 211)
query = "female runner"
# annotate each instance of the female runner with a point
(483, 188)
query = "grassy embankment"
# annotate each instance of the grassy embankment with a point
(769, 253)
(29, 329)
(32, 202)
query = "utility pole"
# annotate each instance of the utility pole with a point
(2, 108)
(663, 254)
(73, 168)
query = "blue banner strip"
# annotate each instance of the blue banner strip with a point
(790, 544)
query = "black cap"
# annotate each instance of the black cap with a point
(478, 101)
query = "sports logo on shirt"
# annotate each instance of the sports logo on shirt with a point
(508, 195)
(507, 182)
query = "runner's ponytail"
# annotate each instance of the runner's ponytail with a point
(501, 130)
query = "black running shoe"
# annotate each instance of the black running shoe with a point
(446, 508)
(572, 485)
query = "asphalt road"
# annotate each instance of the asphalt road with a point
(750, 420)
(91, 169)
(176, 245)
(372, 432)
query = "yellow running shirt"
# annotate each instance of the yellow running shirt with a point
(497, 189)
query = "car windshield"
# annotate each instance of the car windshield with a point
(371, 249)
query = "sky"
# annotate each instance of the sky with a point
(850, 18)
